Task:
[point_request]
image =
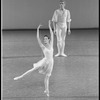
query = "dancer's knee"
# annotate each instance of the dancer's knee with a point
(48, 75)
(59, 41)
(35, 66)
(63, 40)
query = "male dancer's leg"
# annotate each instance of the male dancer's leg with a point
(63, 35)
(59, 41)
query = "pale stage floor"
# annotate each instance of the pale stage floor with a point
(73, 78)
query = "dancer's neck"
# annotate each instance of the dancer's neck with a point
(62, 9)
(47, 46)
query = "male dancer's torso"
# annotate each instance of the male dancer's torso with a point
(61, 18)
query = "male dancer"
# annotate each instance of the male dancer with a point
(60, 18)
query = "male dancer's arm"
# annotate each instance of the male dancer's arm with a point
(69, 22)
(39, 41)
(54, 26)
(54, 19)
(51, 32)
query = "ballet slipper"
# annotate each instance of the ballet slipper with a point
(57, 55)
(47, 92)
(64, 55)
(16, 78)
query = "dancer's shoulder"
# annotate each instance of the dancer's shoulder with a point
(43, 47)
(57, 10)
(67, 10)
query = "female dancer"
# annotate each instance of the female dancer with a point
(45, 65)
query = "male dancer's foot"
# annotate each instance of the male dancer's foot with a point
(64, 55)
(58, 54)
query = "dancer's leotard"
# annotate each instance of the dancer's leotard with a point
(46, 64)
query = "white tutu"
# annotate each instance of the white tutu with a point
(45, 66)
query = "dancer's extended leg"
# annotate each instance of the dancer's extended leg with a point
(27, 72)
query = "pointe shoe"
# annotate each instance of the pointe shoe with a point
(16, 78)
(64, 55)
(57, 55)
(47, 92)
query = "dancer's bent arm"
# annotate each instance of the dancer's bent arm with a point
(39, 41)
(51, 32)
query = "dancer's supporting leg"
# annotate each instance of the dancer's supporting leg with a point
(46, 82)
(27, 72)
(63, 35)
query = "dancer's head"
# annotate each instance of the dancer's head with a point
(62, 4)
(46, 39)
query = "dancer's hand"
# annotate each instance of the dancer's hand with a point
(39, 26)
(69, 32)
(54, 31)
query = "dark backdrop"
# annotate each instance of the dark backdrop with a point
(21, 14)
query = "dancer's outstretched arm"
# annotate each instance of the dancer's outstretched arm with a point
(39, 41)
(51, 32)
